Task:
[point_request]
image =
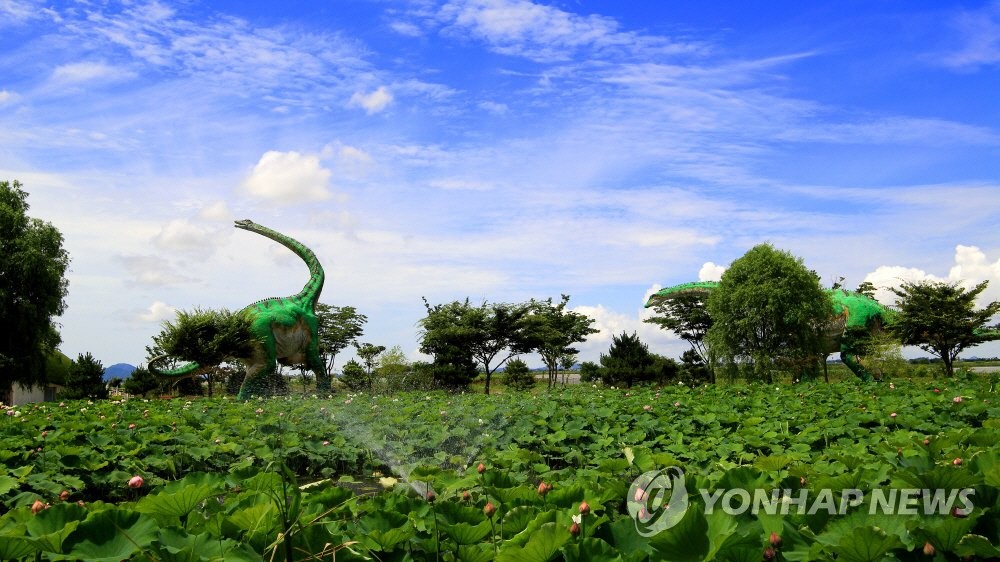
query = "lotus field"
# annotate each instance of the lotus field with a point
(845, 471)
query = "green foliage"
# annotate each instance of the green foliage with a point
(941, 318)
(339, 327)
(627, 362)
(273, 479)
(355, 377)
(866, 288)
(517, 375)
(207, 337)
(395, 373)
(552, 330)
(85, 379)
(33, 288)
(693, 369)
(142, 382)
(370, 355)
(488, 334)
(590, 371)
(769, 316)
(57, 366)
(686, 315)
(664, 369)
(881, 354)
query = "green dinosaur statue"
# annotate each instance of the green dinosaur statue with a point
(854, 316)
(283, 329)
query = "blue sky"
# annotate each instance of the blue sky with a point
(495, 149)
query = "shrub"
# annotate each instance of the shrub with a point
(517, 375)
(354, 376)
(590, 372)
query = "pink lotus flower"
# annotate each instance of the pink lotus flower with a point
(957, 461)
(957, 399)
(647, 408)
(892, 415)
(135, 482)
(131, 426)
(38, 506)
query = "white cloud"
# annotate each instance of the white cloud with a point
(19, 11)
(157, 312)
(979, 34)
(904, 130)
(288, 177)
(152, 271)
(711, 272)
(181, 235)
(79, 72)
(374, 102)
(494, 107)
(217, 211)
(6, 96)
(459, 184)
(610, 323)
(528, 29)
(406, 28)
(971, 268)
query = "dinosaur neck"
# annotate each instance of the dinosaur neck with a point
(314, 286)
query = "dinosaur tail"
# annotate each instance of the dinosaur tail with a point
(185, 370)
(695, 287)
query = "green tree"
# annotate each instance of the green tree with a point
(627, 362)
(590, 372)
(941, 318)
(369, 354)
(686, 315)
(354, 376)
(33, 289)
(552, 330)
(209, 337)
(866, 288)
(517, 375)
(768, 314)
(339, 327)
(85, 379)
(566, 363)
(694, 369)
(393, 371)
(880, 353)
(490, 334)
(141, 382)
(664, 369)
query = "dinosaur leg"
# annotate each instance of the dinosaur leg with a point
(850, 359)
(260, 369)
(316, 364)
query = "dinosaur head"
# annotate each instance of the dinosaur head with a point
(245, 224)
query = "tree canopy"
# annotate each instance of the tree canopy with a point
(85, 379)
(339, 327)
(627, 361)
(208, 337)
(33, 288)
(769, 313)
(686, 315)
(552, 330)
(941, 318)
(489, 334)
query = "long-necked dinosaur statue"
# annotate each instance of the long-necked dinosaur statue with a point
(283, 328)
(854, 316)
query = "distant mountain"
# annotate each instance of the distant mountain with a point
(118, 371)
